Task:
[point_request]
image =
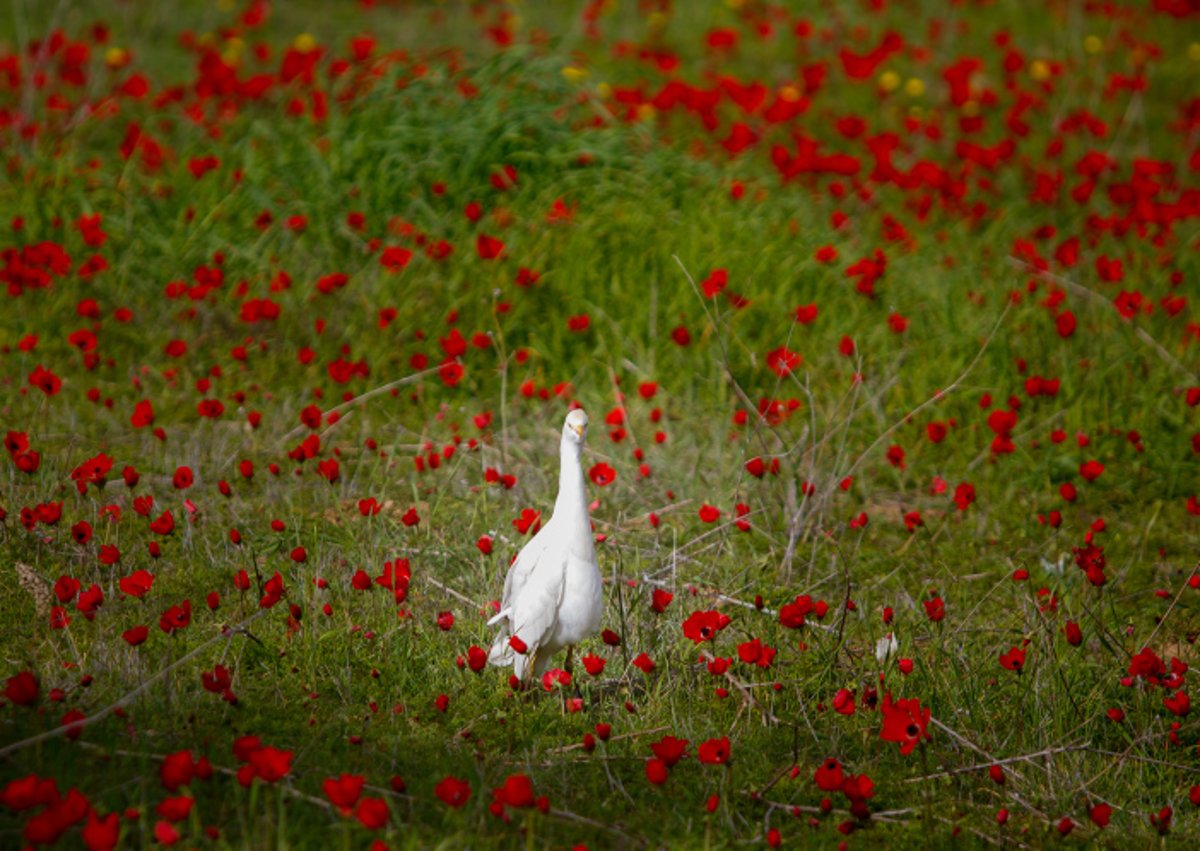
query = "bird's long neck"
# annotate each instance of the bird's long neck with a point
(571, 503)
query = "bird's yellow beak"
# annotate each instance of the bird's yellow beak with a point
(578, 430)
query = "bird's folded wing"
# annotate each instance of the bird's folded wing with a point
(522, 568)
(536, 601)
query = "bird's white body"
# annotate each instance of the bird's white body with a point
(553, 595)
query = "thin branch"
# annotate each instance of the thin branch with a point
(936, 397)
(1029, 757)
(1094, 296)
(634, 735)
(448, 590)
(362, 397)
(75, 726)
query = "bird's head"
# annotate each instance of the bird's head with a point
(575, 428)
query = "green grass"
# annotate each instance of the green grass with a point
(355, 691)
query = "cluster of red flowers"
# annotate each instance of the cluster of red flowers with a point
(887, 166)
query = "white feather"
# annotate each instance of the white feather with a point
(553, 593)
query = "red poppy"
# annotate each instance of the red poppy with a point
(1178, 704)
(21, 689)
(843, 702)
(372, 813)
(183, 478)
(137, 583)
(343, 791)
(517, 792)
(176, 809)
(904, 722)
(1091, 470)
(756, 653)
(176, 617)
(329, 469)
(65, 588)
(163, 525)
(45, 380)
(714, 283)
(714, 751)
(782, 361)
(1013, 659)
(165, 833)
(602, 474)
(529, 520)
(101, 833)
(476, 658)
(669, 750)
(72, 719)
(272, 592)
(136, 635)
(1100, 814)
(792, 615)
(656, 771)
(82, 532)
(704, 625)
(504, 179)
(271, 764)
(829, 775)
(858, 788)
(395, 259)
(453, 791)
(217, 680)
(489, 248)
(1092, 561)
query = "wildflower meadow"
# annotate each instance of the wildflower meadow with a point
(884, 317)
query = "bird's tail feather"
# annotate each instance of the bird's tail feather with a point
(501, 653)
(499, 616)
(523, 664)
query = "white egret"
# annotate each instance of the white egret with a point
(553, 593)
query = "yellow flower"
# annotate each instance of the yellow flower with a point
(116, 57)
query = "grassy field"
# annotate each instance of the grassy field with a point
(884, 316)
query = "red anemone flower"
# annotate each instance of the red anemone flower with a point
(904, 722)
